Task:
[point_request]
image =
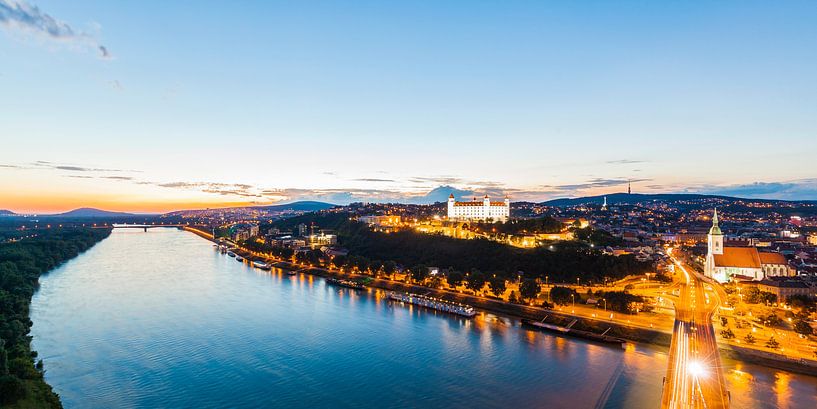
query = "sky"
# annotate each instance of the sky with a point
(153, 106)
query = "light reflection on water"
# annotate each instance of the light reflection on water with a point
(160, 319)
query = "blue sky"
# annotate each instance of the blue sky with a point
(196, 103)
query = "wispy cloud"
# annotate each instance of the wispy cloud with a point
(45, 165)
(29, 19)
(373, 180)
(624, 162)
(800, 189)
(593, 183)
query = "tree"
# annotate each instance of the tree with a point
(338, 261)
(772, 343)
(454, 278)
(497, 285)
(389, 267)
(512, 298)
(727, 333)
(802, 327)
(419, 273)
(803, 303)
(562, 295)
(529, 289)
(753, 295)
(750, 339)
(622, 301)
(475, 281)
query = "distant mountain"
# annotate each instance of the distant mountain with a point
(441, 193)
(88, 213)
(7, 213)
(628, 199)
(683, 200)
(302, 206)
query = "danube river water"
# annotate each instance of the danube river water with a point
(159, 319)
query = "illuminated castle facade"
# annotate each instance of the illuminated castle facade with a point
(484, 210)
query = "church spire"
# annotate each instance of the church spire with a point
(715, 230)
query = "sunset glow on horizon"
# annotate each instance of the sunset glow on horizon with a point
(121, 107)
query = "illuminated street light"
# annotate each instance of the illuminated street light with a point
(696, 369)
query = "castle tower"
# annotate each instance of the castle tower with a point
(451, 206)
(714, 246)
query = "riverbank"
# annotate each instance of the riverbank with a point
(21, 264)
(628, 332)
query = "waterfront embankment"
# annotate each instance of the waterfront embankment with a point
(627, 331)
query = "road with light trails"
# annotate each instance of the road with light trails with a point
(694, 373)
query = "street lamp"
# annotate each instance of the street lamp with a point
(605, 303)
(546, 284)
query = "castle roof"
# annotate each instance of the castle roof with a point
(478, 203)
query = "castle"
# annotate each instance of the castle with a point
(484, 210)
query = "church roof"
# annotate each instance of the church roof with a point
(772, 258)
(741, 257)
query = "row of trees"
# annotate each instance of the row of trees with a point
(21, 264)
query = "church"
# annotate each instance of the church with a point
(475, 210)
(726, 263)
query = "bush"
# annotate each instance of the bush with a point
(727, 334)
(11, 389)
(561, 295)
(802, 327)
(772, 343)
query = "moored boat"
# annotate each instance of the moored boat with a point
(260, 264)
(592, 336)
(346, 283)
(434, 303)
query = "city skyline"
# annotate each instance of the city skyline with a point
(153, 107)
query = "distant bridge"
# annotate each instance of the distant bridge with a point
(144, 226)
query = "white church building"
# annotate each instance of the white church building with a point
(475, 210)
(725, 263)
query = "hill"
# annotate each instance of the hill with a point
(688, 201)
(302, 206)
(631, 198)
(89, 213)
(7, 213)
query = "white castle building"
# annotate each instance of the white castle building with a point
(725, 263)
(484, 210)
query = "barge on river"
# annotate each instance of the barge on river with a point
(434, 303)
(346, 283)
(592, 336)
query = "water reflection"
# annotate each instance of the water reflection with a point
(159, 319)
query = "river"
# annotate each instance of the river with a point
(160, 319)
